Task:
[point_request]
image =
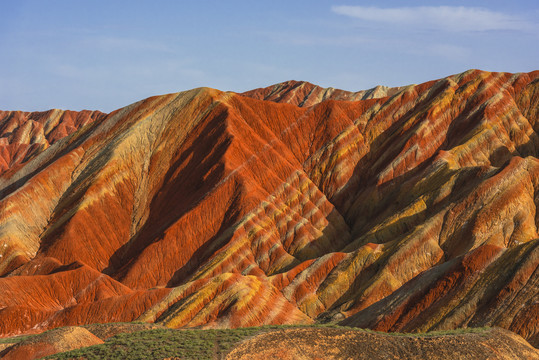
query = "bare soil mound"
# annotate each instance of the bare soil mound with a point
(331, 343)
(51, 342)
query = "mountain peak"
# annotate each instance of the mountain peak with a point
(305, 94)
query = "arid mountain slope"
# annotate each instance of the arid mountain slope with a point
(24, 134)
(414, 211)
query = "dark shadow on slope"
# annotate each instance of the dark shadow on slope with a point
(468, 180)
(364, 182)
(383, 150)
(72, 197)
(212, 245)
(182, 190)
(486, 291)
(386, 147)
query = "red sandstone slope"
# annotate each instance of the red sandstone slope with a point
(24, 134)
(415, 211)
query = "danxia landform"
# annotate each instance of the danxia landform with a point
(404, 209)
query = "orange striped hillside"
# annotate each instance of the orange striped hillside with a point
(397, 209)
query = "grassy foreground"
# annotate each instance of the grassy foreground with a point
(163, 343)
(188, 343)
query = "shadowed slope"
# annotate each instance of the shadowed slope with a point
(215, 209)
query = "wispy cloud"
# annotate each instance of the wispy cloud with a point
(445, 18)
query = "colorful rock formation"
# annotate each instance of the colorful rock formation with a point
(25, 134)
(408, 208)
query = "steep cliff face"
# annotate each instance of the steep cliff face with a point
(412, 209)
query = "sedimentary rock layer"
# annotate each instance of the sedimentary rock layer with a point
(24, 134)
(408, 208)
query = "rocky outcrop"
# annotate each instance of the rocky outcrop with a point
(411, 210)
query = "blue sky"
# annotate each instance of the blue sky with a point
(107, 54)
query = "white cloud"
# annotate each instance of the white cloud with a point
(446, 18)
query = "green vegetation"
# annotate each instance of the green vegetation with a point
(14, 339)
(163, 343)
(195, 343)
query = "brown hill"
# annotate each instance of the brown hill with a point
(329, 344)
(415, 211)
(51, 342)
